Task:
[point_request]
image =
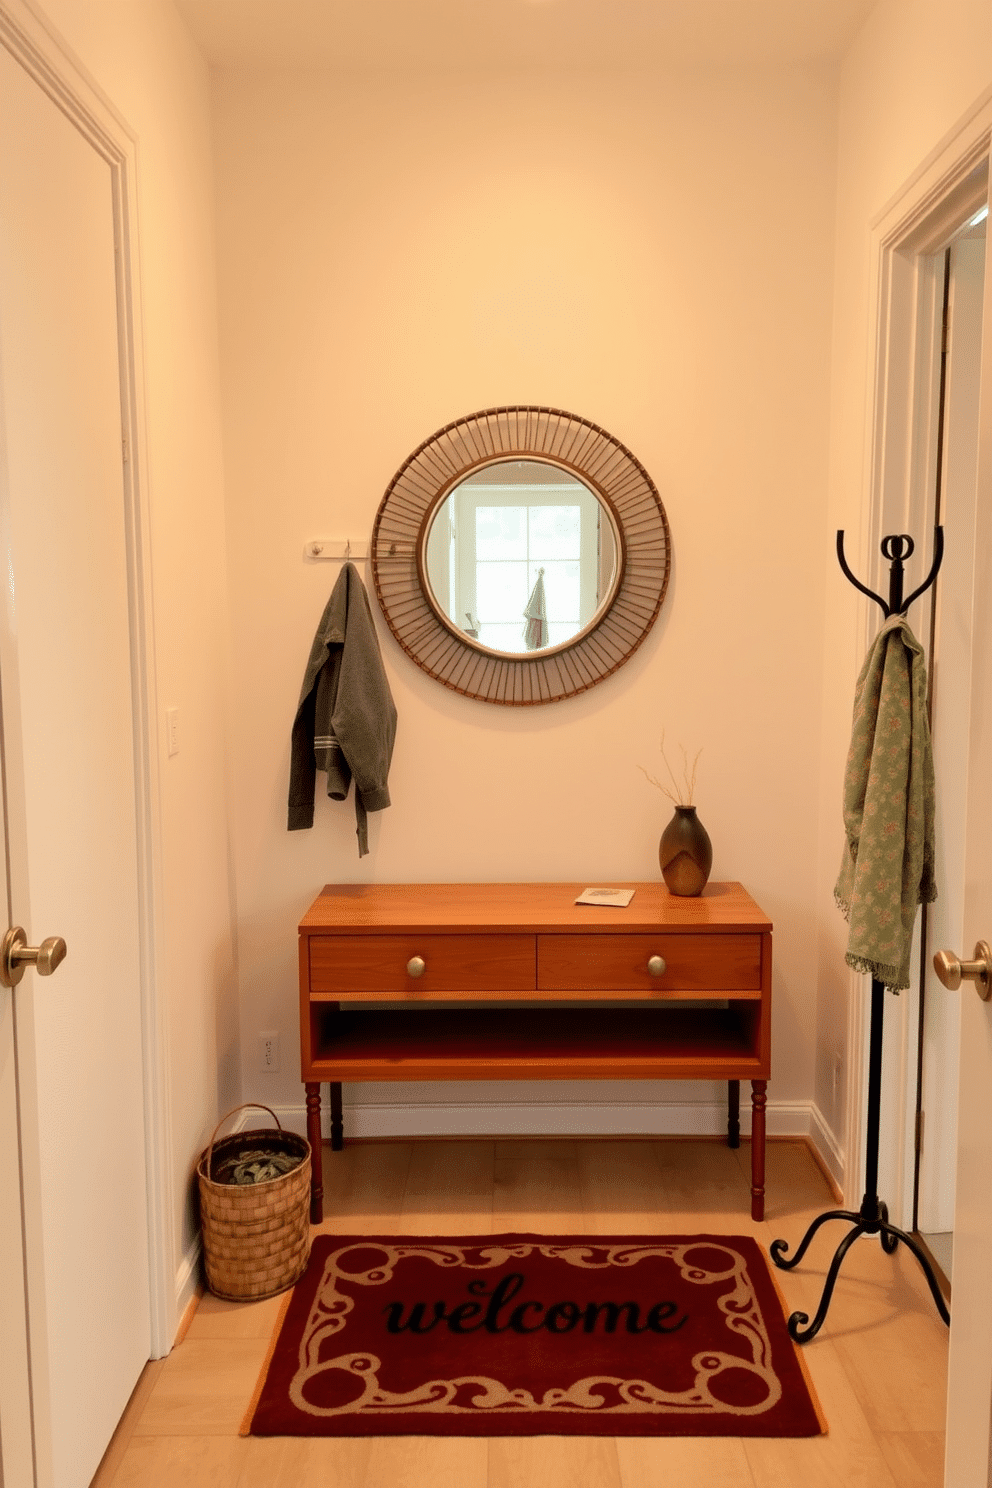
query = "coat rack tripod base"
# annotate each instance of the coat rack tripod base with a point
(873, 1216)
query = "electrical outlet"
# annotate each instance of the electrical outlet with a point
(268, 1044)
(172, 729)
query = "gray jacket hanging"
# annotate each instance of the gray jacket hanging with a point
(346, 720)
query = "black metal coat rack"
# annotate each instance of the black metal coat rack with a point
(873, 1216)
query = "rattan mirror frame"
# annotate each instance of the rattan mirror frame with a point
(423, 482)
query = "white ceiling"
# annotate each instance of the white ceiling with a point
(447, 35)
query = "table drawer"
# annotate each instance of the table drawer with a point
(694, 963)
(377, 964)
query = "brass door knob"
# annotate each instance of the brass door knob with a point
(416, 966)
(657, 966)
(15, 954)
(952, 971)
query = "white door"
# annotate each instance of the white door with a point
(969, 1413)
(71, 1053)
(953, 645)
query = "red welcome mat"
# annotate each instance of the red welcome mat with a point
(528, 1335)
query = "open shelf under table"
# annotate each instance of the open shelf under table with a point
(529, 1043)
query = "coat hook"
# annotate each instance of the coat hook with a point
(896, 547)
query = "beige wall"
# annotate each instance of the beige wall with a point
(142, 58)
(653, 253)
(917, 67)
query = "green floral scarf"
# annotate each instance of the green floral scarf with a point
(888, 866)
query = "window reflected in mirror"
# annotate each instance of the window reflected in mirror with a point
(521, 556)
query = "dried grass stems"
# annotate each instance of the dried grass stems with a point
(683, 792)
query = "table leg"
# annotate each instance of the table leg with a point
(733, 1113)
(337, 1118)
(316, 1163)
(758, 1100)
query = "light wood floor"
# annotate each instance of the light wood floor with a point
(878, 1365)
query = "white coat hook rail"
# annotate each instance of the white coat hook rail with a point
(335, 550)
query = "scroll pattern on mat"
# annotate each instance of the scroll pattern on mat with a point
(739, 1305)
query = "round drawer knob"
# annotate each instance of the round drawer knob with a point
(416, 966)
(657, 965)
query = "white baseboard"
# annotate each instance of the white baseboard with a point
(586, 1118)
(824, 1139)
(546, 1119)
(188, 1276)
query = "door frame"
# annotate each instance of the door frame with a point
(900, 460)
(28, 36)
(950, 186)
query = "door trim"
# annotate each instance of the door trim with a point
(905, 318)
(28, 36)
(948, 188)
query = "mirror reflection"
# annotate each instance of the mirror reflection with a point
(521, 556)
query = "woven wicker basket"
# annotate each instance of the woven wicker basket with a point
(256, 1236)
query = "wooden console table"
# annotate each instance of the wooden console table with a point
(413, 945)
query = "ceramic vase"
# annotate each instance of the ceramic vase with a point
(685, 854)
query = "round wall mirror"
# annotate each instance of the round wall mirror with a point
(520, 555)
